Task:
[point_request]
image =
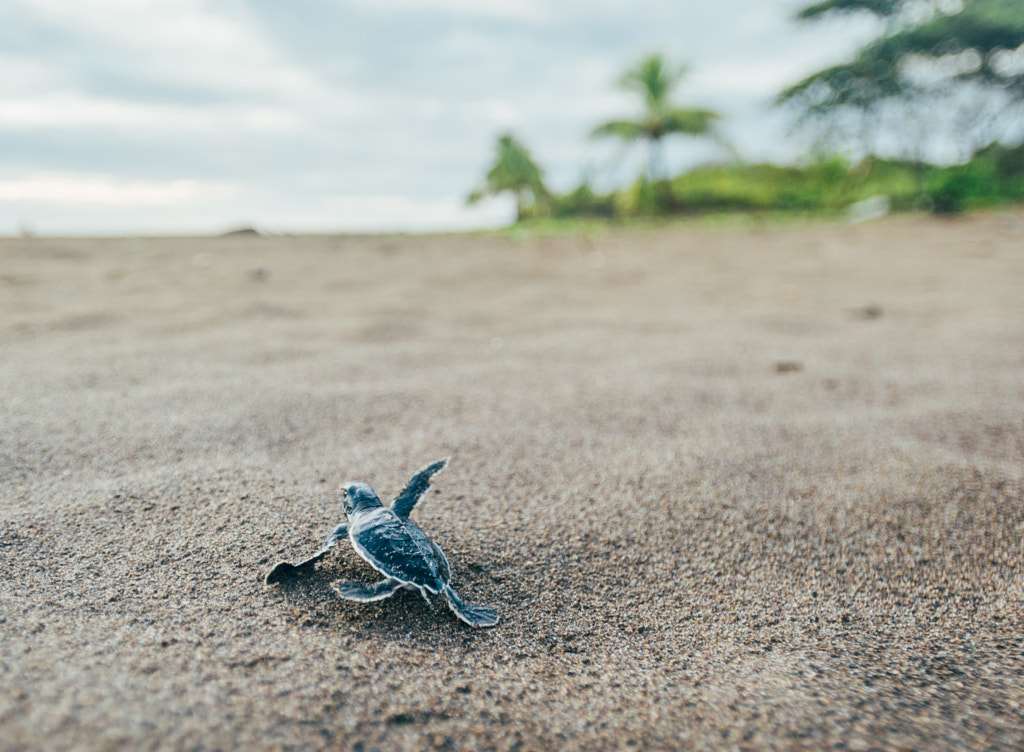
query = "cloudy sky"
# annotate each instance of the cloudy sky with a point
(181, 116)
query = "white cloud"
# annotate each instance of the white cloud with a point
(106, 190)
(24, 75)
(1008, 63)
(518, 10)
(223, 75)
(70, 110)
(740, 80)
(195, 43)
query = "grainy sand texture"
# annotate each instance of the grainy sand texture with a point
(740, 489)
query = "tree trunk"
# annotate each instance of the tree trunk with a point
(654, 166)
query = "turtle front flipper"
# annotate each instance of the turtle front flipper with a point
(474, 616)
(418, 485)
(359, 591)
(285, 569)
(339, 532)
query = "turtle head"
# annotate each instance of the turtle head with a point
(356, 497)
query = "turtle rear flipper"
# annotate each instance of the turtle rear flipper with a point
(474, 616)
(282, 571)
(360, 591)
(285, 569)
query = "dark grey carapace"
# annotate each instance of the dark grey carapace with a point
(395, 546)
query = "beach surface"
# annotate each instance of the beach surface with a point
(749, 488)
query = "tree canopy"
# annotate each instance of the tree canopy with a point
(654, 79)
(514, 170)
(962, 60)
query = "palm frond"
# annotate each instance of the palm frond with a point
(880, 8)
(514, 171)
(654, 79)
(688, 121)
(627, 130)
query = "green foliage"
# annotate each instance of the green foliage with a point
(762, 187)
(899, 180)
(852, 99)
(583, 202)
(647, 198)
(514, 170)
(995, 176)
(984, 27)
(828, 186)
(1008, 163)
(880, 8)
(952, 190)
(654, 80)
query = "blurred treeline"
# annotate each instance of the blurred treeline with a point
(993, 177)
(943, 77)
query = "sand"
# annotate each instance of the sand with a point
(755, 488)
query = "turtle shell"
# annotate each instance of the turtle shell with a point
(398, 549)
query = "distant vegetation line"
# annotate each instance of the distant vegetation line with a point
(995, 177)
(948, 69)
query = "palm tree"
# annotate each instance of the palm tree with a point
(654, 79)
(514, 170)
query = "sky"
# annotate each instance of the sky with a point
(121, 117)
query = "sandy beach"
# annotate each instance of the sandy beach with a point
(749, 488)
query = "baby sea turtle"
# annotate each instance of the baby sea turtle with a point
(395, 546)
